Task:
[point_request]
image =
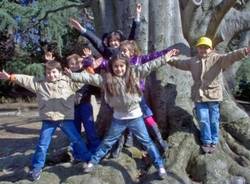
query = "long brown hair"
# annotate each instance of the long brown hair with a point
(112, 85)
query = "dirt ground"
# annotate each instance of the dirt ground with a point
(19, 131)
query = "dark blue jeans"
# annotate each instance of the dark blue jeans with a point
(147, 112)
(138, 128)
(84, 115)
(46, 133)
(208, 115)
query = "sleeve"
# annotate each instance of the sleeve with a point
(84, 77)
(182, 64)
(135, 26)
(26, 81)
(144, 70)
(228, 59)
(152, 56)
(97, 43)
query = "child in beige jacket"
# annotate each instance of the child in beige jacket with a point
(55, 96)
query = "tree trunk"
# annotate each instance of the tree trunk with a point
(168, 92)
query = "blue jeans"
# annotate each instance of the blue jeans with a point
(46, 133)
(208, 115)
(138, 128)
(147, 112)
(84, 115)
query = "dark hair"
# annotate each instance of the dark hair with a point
(112, 85)
(117, 35)
(75, 57)
(52, 65)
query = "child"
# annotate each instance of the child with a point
(130, 49)
(122, 92)
(111, 41)
(55, 96)
(83, 107)
(206, 69)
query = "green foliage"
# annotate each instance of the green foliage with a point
(243, 81)
(50, 18)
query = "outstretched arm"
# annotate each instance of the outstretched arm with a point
(25, 81)
(136, 22)
(84, 77)
(145, 69)
(151, 56)
(231, 57)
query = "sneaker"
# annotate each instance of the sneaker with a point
(162, 173)
(36, 174)
(212, 148)
(206, 148)
(89, 168)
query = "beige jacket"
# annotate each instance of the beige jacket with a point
(55, 99)
(125, 102)
(207, 73)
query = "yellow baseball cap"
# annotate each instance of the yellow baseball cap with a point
(204, 41)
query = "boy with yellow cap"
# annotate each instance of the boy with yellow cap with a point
(206, 69)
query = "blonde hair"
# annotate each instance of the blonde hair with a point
(132, 46)
(74, 57)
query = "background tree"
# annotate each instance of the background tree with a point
(179, 24)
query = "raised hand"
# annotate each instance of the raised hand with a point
(67, 71)
(138, 8)
(75, 24)
(4, 75)
(86, 52)
(49, 56)
(171, 53)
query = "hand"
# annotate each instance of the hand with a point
(49, 56)
(86, 52)
(138, 8)
(67, 71)
(75, 24)
(97, 62)
(173, 52)
(4, 75)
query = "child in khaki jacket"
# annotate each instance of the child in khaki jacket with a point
(206, 69)
(55, 96)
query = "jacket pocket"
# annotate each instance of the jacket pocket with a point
(214, 92)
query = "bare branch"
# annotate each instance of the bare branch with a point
(217, 16)
(188, 14)
(237, 21)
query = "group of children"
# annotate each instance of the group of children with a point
(64, 100)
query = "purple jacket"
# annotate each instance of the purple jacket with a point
(139, 60)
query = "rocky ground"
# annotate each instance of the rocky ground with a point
(19, 130)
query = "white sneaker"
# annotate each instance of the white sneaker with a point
(162, 173)
(89, 168)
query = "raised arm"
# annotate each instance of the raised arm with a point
(95, 40)
(231, 57)
(25, 81)
(136, 22)
(145, 69)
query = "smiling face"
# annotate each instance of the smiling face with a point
(119, 67)
(203, 51)
(74, 65)
(114, 42)
(52, 74)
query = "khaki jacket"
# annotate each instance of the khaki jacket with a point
(55, 99)
(125, 102)
(207, 73)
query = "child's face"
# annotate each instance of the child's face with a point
(53, 74)
(114, 43)
(125, 51)
(74, 65)
(119, 68)
(203, 51)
